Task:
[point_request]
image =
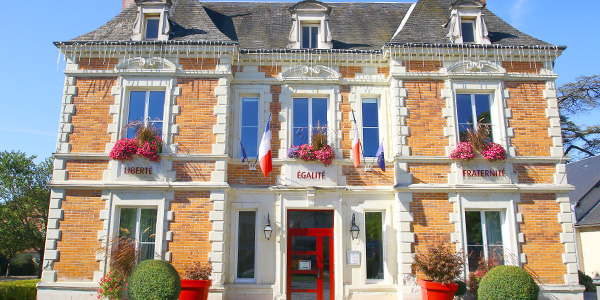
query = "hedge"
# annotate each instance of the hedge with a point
(18, 290)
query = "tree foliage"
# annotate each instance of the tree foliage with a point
(24, 202)
(576, 98)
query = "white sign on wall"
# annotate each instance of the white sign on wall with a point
(484, 173)
(310, 174)
(139, 169)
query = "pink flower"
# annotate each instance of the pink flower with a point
(463, 151)
(494, 152)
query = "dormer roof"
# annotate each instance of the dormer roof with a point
(310, 5)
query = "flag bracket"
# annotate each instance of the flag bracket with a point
(368, 168)
(252, 166)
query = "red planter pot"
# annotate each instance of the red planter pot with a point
(437, 291)
(194, 289)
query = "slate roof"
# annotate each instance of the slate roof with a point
(585, 176)
(266, 25)
(426, 25)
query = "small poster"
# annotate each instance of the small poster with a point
(304, 265)
(353, 258)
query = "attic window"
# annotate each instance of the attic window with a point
(151, 28)
(310, 36)
(467, 28)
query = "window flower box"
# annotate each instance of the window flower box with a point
(306, 152)
(147, 144)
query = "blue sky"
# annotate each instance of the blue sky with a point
(32, 82)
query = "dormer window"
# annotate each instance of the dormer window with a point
(310, 26)
(152, 22)
(466, 24)
(310, 36)
(151, 27)
(467, 28)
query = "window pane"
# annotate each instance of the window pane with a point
(374, 244)
(146, 252)
(300, 132)
(156, 106)
(151, 28)
(314, 34)
(370, 141)
(310, 219)
(464, 113)
(250, 140)
(474, 233)
(137, 104)
(482, 108)
(148, 225)
(250, 112)
(319, 112)
(475, 253)
(370, 113)
(305, 37)
(127, 222)
(304, 243)
(246, 240)
(467, 32)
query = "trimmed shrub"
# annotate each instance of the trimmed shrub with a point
(154, 279)
(462, 288)
(586, 281)
(506, 283)
(19, 290)
(24, 264)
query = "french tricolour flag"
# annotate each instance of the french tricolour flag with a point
(355, 144)
(264, 150)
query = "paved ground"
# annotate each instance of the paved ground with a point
(590, 296)
(15, 278)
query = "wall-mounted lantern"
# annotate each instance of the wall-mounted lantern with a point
(354, 230)
(268, 229)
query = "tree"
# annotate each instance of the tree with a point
(24, 203)
(575, 98)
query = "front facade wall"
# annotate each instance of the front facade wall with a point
(200, 186)
(79, 241)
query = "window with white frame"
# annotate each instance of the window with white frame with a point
(310, 36)
(370, 120)
(246, 245)
(145, 108)
(249, 126)
(467, 28)
(151, 27)
(374, 244)
(139, 225)
(473, 110)
(484, 237)
(309, 118)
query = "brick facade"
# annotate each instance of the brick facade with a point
(190, 228)
(86, 169)
(542, 237)
(197, 117)
(426, 121)
(529, 119)
(91, 118)
(193, 171)
(79, 242)
(429, 173)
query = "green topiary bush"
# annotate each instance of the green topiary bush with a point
(154, 280)
(462, 288)
(586, 281)
(506, 283)
(19, 290)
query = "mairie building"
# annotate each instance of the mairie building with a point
(408, 81)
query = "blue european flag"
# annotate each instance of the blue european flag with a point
(245, 157)
(380, 157)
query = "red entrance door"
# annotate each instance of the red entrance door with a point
(310, 255)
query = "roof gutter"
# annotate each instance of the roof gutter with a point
(143, 43)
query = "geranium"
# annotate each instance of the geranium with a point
(474, 280)
(463, 151)
(494, 152)
(325, 155)
(307, 152)
(151, 149)
(124, 149)
(111, 285)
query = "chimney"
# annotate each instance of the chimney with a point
(127, 3)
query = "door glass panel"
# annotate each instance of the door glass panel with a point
(304, 296)
(374, 249)
(326, 269)
(304, 243)
(310, 219)
(304, 274)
